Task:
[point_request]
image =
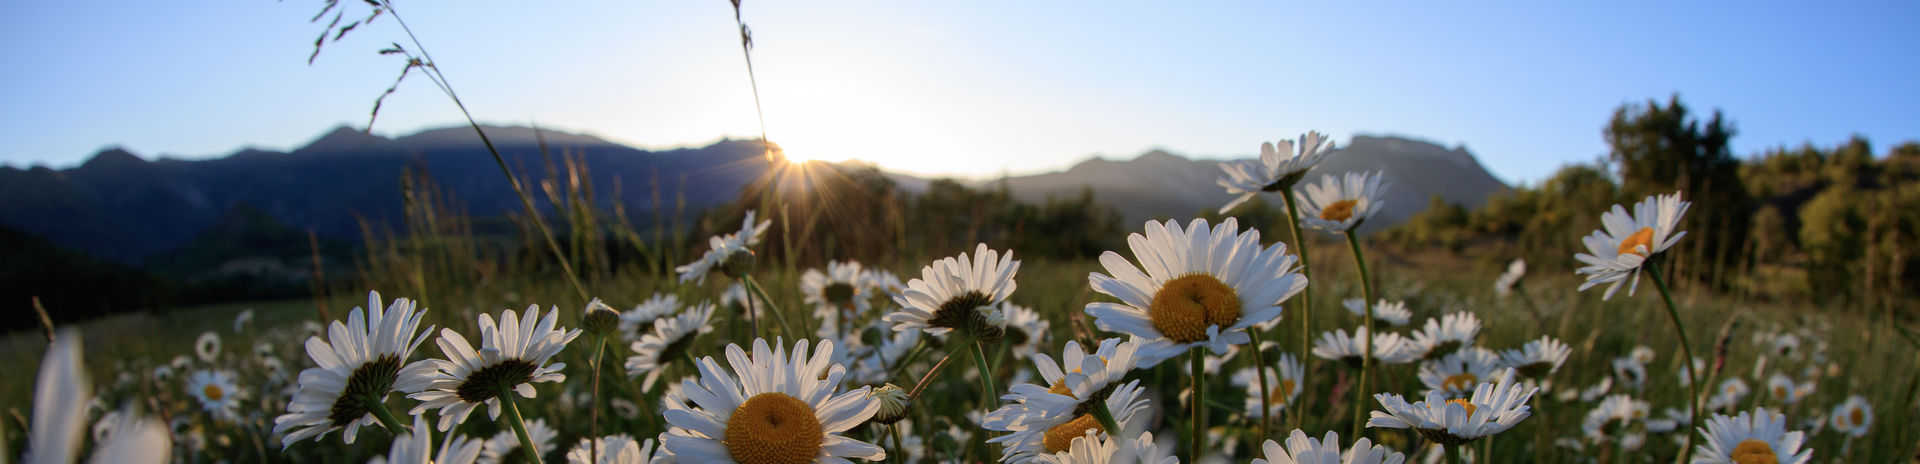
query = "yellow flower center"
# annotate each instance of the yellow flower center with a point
(1185, 307)
(1280, 393)
(1779, 391)
(1464, 404)
(1754, 451)
(1058, 438)
(1060, 388)
(1642, 238)
(1460, 381)
(773, 428)
(213, 392)
(1339, 210)
(1857, 416)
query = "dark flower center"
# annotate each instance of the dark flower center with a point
(370, 382)
(487, 382)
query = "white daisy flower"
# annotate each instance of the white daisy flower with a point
(1745, 439)
(1278, 168)
(216, 391)
(129, 438)
(617, 449)
(1080, 375)
(1493, 408)
(1780, 388)
(639, 321)
(885, 281)
(1391, 313)
(1301, 449)
(1337, 204)
(875, 364)
(1285, 383)
(1615, 253)
(624, 408)
(725, 252)
(1642, 354)
(1026, 330)
(416, 447)
(1731, 392)
(1200, 287)
(667, 342)
(60, 396)
(1388, 348)
(1445, 335)
(780, 410)
(1096, 448)
(504, 447)
(1630, 371)
(1853, 417)
(512, 356)
(207, 346)
(734, 299)
(1047, 423)
(1609, 420)
(839, 293)
(1458, 374)
(1515, 271)
(1686, 379)
(1537, 358)
(957, 293)
(359, 364)
(242, 320)
(1598, 390)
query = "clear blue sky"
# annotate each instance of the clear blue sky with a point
(965, 88)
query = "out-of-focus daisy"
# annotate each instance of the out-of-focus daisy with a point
(1458, 374)
(1598, 390)
(1630, 371)
(1278, 168)
(1746, 439)
(667, 342)
(624, 408)
(1026, 330)
(1537, 358)
(1730, 393)
(1444, 335)
(125, 437)
(1493, 408)
(617, 449)
(875, 364)
(216, 391)
(359, 364)
(242, 320)
(512, 356)
(1337, 204)
(1609, 421)
(1301, 449)
(839, 293)
(1095, 448)
(1391, 313)
(1615, 253)
(957, 293)
(1284, 383)
(1515, 271)
(1785, 345)
(1853, 417)
(886, 282)
(1388, 348)
(1200, 286)
(780, 410)
(60, 396)
(504, 447)
(416, 447)
(1642, 354)
(639, 321)
(1685, 377)
(734, 299)
(726, 253)
(162, 373)
(207, 347)
(1780, 388)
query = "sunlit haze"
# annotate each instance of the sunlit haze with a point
(972, 89)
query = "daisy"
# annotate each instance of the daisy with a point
(60, 395)
(1285, 383)
(1048, 423)
(1445, 335)
(1391, 313)
(839, 293)
(730, 253)
(1456, 375)
(1614, 254)
(207, 347)
(1278, 168)
(1026, 330)
(639, 322)
(1094, 448)
(1080, 375)
(1612, 417)
(1301, 449)
(504, 447)
(1338, 204)
(1780, 388)
(1745, 439)
(1853, 417)
(355, 369)
(875, 364)
(1493, 408)
(1598, 390)
(1388, 348)
(957, 293)
(1630, 371)
(128, 438)
(1537, 358)
(216, 391)
(1200, 286)
(512, 356)
(780, 410)
(1731, 392)
(1515, 271)
(667, 342)
(416, 447)
(617, 449)
(241, 321)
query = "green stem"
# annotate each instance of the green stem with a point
(379, 408)
(1686, 349)
(593, 415)
(1453, 453)
(1199, 439)
(1105, 416)
(773, 310)
(1306, 295)
(519, 424)
(1366, 361)
(898, 446)
(986, 377)
(1266, 392)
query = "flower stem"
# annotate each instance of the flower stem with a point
(1366, 361)
(379, 407)
(1306, 295)
(1105, 416)
(1266, 392)
(772, 309)
(897, 444)
(519, 424)
(593, 416)
(1686, 349)
(928, 377)
(986, 377)
(1199, 440)
(1453, 453)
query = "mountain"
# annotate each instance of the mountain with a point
(1161, 185)
(127, 209)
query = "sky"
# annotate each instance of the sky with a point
(970, 89)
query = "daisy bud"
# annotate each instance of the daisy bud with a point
(738, 264)
(894, 404)
(601, 319)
